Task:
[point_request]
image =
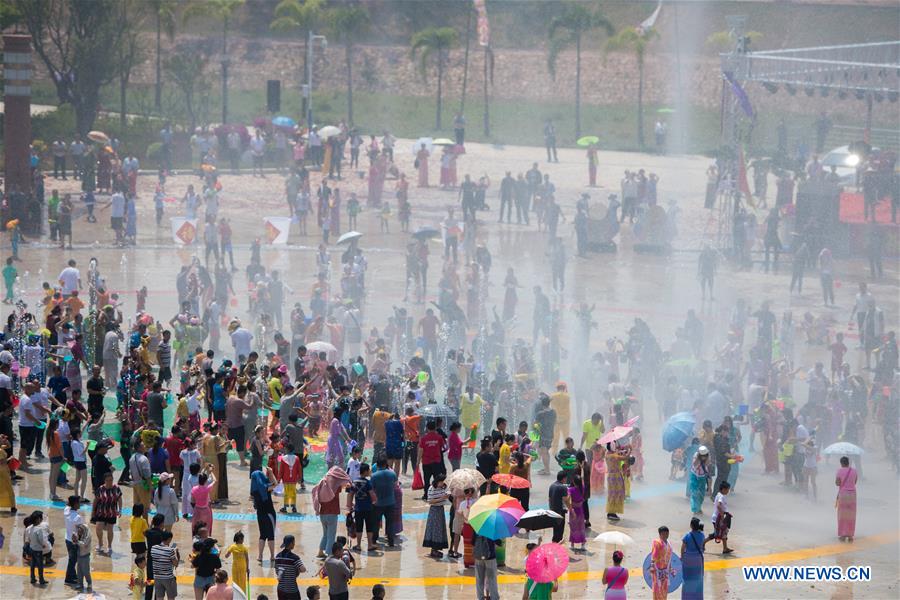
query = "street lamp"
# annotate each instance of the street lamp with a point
(310, 40)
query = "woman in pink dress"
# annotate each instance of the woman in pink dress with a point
(200, 500)
(845, 480)
(615, 578)
(422, 159)
(445, 167)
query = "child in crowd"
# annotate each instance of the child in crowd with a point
(138, 526)
(138, 581)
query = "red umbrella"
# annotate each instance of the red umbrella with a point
(511, 481)
(547, 563)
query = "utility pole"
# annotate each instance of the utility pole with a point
(310, 40)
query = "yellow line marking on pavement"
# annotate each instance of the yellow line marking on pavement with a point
(859, 545)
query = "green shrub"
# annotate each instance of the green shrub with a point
(154, 150)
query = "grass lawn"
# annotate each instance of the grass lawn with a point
(512, 121)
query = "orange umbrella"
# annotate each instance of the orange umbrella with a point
(510, 481)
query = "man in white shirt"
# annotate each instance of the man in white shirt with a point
(76, 148)
(117, 215)
(58, 148)
(241, 339)
(720, 507)
(387, 144)
(73, 519)
(258, 150)
(315, 147)
(864, 302)
(111, 355)
(70, 279)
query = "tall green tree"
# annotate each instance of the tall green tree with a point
(163, 12)
(187, 72)
(221, 10)
(632, 40)
(575, 21)
(80, 43)
(345, 24)
(434, 41)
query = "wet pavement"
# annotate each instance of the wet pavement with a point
(772, 525)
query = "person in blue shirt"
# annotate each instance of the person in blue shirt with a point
(393, 442)
(218, 404)
(383, 482)
(692, 560)
(59, 385)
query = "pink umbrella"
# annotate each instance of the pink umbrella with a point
(616, 433)
(632, 421)
(547, 562)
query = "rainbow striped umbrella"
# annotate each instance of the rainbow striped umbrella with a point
(495, 516)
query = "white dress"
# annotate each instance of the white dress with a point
(188, 481)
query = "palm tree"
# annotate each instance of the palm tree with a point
(345, 24)
(566, 29)
(437, 41)
(164, 12)
(223, 10)
(302, 16)
(631, 39)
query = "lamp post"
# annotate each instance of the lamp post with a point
(310, 40)
(225, 63)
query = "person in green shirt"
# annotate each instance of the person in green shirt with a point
(53, 214)
(591, 431)
(9, 278)
(538, 591)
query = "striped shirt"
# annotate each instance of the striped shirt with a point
(163, 559)
(164, 355)
(287, 569)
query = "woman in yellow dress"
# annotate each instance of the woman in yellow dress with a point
(7, 496)
(240, 566)
(208, 451)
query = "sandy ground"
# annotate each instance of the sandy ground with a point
(768, 519)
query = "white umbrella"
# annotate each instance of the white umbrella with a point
(844, 449)
(417, 145)
(328, 131)
(614, 538)
(328, 349)
(350, 235)
(462, 479)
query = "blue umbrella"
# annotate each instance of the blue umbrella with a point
(283, 122)
(678, 429)
(674, 580)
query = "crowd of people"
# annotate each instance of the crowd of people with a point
(446, 403)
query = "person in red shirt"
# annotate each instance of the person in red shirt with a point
(290, 471)
(174, 444)
(411, 423)
(431, 454)
(455, 445)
